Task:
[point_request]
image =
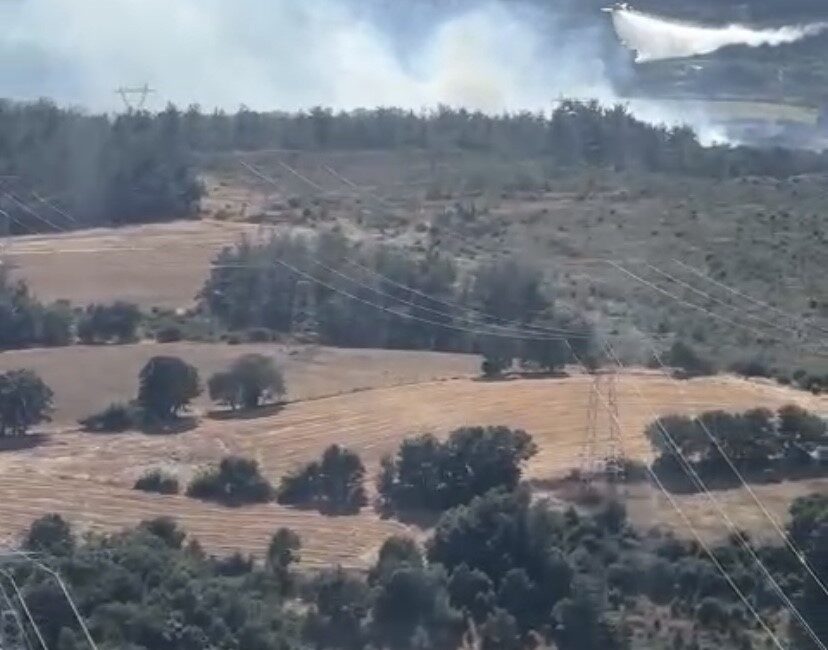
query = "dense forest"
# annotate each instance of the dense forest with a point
(328, 288)
(61, 168)
(503, 572)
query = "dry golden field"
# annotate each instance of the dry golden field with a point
(89, 476)
(153, 265)
(87, 378)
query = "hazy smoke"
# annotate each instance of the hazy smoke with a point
(295, 54)
(653, 38)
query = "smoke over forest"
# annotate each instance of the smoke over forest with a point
(292, 54)
(488, 55)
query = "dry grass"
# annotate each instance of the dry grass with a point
(152, 265)
(89, 476)
(87, 378)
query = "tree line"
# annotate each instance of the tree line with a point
(425, 475)
(575, 134)
(762, 445)
(503, 572)
(345, 295)
(62, 168)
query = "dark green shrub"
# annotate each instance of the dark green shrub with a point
(115, 418)
(236, 481)
(169, 334)
(333, 485)
(158, 481)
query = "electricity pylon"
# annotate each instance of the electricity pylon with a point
(139, 93)
(602, 454)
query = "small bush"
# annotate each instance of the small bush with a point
(157, 481)
(236, 481)
(169, 334)
(688, 362)
(115, 418)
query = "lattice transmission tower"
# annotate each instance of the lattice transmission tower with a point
(134, 97)
(602, 452)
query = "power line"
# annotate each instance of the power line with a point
(519, 331)
(15, 615)
(75, 611)
(800, 556)
(402, 315)
(691, 305)
(697, 536)
(25, 608)
(56, 209)
(26, 208)
(739, 535)
(707, 296)
(744, 296)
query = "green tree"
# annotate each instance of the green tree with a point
(429, 474)
(166, 385)
(251, 379)
(343, 602)
(335, 484)
(50, 534)
(282, 553)
(234, 482)
(25, 400)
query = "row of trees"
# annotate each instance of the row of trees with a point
(26, 322)
(424, 475)
(138, 166)
(386, 297)
(756, 441)
(574, 134)
(504, 572)
(167, 385)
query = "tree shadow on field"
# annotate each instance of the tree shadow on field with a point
(26, 441)
(522, 374)
(263, 411)
(170, 427)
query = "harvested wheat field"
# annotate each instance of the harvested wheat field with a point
(153, 265)
(88, 477)
(87, 378)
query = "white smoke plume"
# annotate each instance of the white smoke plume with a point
(290, 54)
(653, 38)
